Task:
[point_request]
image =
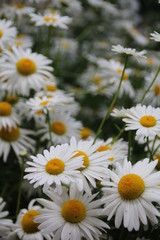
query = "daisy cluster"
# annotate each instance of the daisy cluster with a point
(79, 121)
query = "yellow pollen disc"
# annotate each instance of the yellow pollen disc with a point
(125, 76)
(111, 159)
(1, 33)
(19, 5)
(104, 148)
(58, 127)
(39, 112)
(85, 159)
(97, 79)
(27, 222)
(50, 19)
(150, 61)
(44, 103)
(148, 121)
(85, 133)
(12, 99)
(131, 186)
(5, 109)
(10, 135)
(156, 89)
(26, 66)
(55, 166)
(65, 45)
(51, 88)
(73, 211)
(157, 157)
(18, 43)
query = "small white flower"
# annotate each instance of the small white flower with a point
(129, 193)
(71, 216)
(7, 34)
(63, 127)
(129, 51)
(55, 167)
(8, 118)
(54, 20)
(15, 138)
(146, 120)
(24, 70)
(25, 227)
(155, 36)
(5, 224)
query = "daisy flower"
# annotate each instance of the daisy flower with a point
(54, 20)
(129, 51)
(57, 166)
(23, 41)
(24, 70)
(118, 149)
(86, 133)
(8, 118)
(15, 138)
(146, 120)
(130, 192)
(17, 10)
(7, 33)
(155, 36)
(76, 213)
(25, 227)
(63, 127)
(37, 104)
(94, 163)
(5, 224)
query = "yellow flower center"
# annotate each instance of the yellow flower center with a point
(51, 88)
(58, 127)
(44, 103)
(157, 157)
(65, 45)
(1, 33)
(73, 211)
(50, 19)
(26, 66)
(125, 76)
(39, 112)
(55, 166)
(104, 148)
(18, 43)
(10, 135)
(85, 159)
(111, 159)
(85, 133)
(19, 5)
(12, 99)
(5, 109)
(131, 186)
(27, 222)
(150, 61)
(97, 79)
(156, 89)
(148, 121)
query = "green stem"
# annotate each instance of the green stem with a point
(118, 135)
(129, 144)
(154, 79)
(149, 150)
(84, 33)
(156, 150)
(48, 45)
(49, 126)
(112, 103)
(20, 188)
